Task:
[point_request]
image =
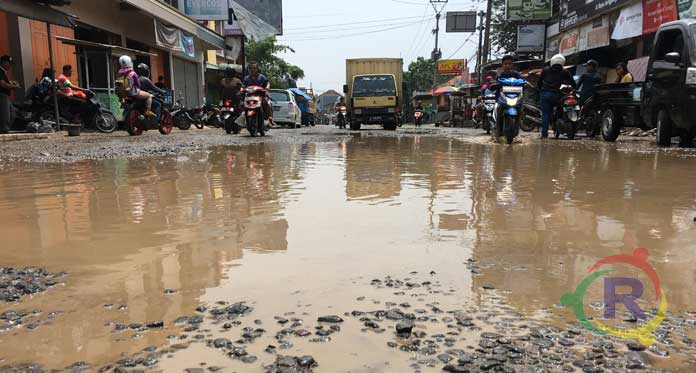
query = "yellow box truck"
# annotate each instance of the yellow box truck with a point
(374, 91)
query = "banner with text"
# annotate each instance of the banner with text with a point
(574, 12)
(528, 10)
(657, 12)
(450, 67)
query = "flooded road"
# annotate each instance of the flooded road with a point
(302, 230)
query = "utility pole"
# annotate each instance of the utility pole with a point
(479, 54)
(487, 37)
(437, 54)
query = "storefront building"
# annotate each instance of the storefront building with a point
(609, 32)
(103, 31)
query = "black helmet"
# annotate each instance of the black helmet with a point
(230, 71)
(143, 70)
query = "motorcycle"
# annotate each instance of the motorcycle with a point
(489, 107)
(90, 113)
(136, 122)
(229, 115)
(253, 107)
(341, 117)
(507, 113)
(567, 114)
(418, 116)
(181, 116)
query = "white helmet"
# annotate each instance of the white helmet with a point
(558, 60)
(125, 61)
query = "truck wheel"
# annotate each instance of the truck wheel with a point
(664, 129)
(610, 128)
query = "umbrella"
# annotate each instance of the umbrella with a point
(300, 93)
(444, 90)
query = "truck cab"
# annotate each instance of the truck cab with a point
(375, 99)
(669, 94)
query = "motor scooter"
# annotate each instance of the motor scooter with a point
(567, 114)
(507, 113)
(341, 116)
(136, 122)
(418, 117)
(253, 108)
(229, 115)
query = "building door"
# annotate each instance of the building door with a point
(186, 82)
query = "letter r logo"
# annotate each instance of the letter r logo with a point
(611, 298)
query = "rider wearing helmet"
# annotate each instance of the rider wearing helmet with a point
(549, 85)
(143, 71)
(132, 85)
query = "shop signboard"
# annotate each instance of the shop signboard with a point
(569, 43)
(594, 34)
(657, 12)
(530, 38)
(206, 10)
(528, 10)
(450, 67)
(575, 12)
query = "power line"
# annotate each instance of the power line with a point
(462, 45)
(353, 23)
(419, 32)
(354, 34)
(348, 28)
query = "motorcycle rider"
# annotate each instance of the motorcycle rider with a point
(588, 81)
(337, 108)
(508, 69)
(231, 87)
(143, 71)
(132, 84)
(255, 78)
(549, 85)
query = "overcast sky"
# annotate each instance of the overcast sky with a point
(326, 32)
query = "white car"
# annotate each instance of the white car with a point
(285, 109)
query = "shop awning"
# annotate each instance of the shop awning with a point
(113, 48)
(173, 17)
(32, 10)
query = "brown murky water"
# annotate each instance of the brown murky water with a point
(304, 228)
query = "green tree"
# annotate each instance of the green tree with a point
(419, 76)
(279, 72)
(503, 32)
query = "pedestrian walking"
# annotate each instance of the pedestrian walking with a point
(6, 88)
(550, 82)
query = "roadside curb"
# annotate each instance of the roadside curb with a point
(23, 136)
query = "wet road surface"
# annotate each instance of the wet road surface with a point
(302, 230)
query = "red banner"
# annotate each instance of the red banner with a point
(657, 12)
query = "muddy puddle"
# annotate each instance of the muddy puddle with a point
(467, 238)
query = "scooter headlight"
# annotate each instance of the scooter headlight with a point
(512, 101)
(572, 116)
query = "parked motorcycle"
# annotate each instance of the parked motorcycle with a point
(136, 122)
(567, 115)
(532, 118)
(341, 116)
(418, 117)
(253, 107)
(229, 115)
(89, 113)
(508, 109)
